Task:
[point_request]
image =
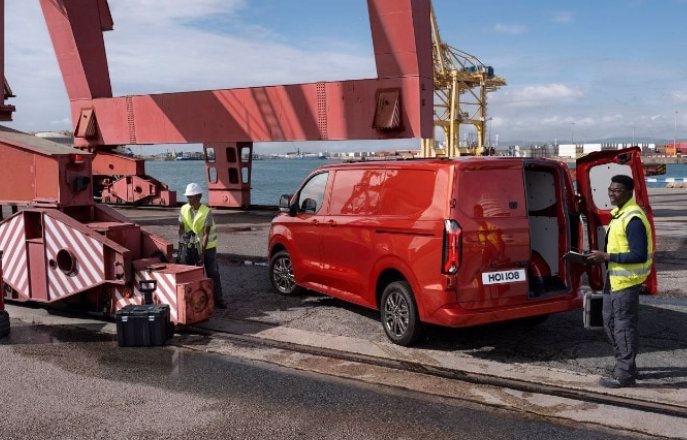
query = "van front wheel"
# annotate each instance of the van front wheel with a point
(281, 274)
(399, 314)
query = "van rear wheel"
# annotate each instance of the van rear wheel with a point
(399, 314)
(281, 274)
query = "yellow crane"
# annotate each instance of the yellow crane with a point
(461, 84)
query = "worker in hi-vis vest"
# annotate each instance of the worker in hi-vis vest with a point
(628, 256)
(197, 228)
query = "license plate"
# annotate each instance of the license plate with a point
(504, 277)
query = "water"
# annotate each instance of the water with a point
(271, 177)
(274, 177)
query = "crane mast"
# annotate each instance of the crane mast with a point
(461, 85)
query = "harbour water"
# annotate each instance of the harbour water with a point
(273, 177)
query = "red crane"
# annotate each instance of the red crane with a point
(396, 104)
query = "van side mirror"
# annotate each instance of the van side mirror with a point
(286, 206)
(285, 202)
(309, 206)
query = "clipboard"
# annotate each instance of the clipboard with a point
(575, 257)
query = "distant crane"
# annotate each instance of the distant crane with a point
(457, 73)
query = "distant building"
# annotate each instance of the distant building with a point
(61, 137)
(576, 150)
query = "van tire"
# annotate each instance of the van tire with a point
(282, 276)
(398, 313)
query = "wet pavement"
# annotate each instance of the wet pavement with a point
(62, 382)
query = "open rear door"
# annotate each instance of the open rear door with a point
(594, 172)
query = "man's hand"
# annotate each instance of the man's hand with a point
(598, 257)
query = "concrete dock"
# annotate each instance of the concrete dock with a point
(550, 370)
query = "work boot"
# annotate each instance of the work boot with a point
(612, 382)
(610, 371)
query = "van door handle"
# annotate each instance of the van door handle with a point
(331, 223)
(315, 222)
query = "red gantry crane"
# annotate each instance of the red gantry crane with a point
(396, 104)
(63, 247)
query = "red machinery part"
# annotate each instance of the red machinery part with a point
(398, 103)
(64, 248)
(137, 190)
(122, 180)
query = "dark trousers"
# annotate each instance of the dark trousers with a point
(212, 272)
(621, 316)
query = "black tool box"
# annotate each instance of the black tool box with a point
(143, 326)
(593, 311)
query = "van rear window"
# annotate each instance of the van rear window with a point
(408, 192)
(492, 193)
(356, 192)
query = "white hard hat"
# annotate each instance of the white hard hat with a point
(193, 189)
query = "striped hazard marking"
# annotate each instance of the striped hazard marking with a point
(14, 268)
(87, 252)
(166, 291)
(121, 299)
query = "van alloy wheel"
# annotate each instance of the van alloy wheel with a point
(282, 275)
(396, 314)
(399, 314)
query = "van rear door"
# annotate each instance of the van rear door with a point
(495, 230)
(594, 172)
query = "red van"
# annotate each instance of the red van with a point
(456, 243)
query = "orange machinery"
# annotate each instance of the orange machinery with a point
(65, 248)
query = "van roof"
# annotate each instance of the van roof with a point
(436, 162)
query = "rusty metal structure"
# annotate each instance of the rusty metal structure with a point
(63, 247)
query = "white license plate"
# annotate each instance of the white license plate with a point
(504, 277)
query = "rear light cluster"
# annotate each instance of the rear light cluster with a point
(453, 247)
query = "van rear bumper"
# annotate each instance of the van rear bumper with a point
(452, 315)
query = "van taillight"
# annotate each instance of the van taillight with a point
(453, 247)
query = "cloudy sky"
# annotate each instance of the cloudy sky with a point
(590, 69)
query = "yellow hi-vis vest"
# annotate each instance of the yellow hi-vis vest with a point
(197, 224)
(623, 276)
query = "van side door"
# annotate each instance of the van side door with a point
(305, 227)
(594, 172)
(348, 251)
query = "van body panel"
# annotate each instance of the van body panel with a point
(452, 315)
(594, 172)
(375, 210)
(492, 213)
(417, 252)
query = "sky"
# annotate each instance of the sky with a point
(581, 69)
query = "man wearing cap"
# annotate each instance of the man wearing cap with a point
(196, 220)
(628, 256)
